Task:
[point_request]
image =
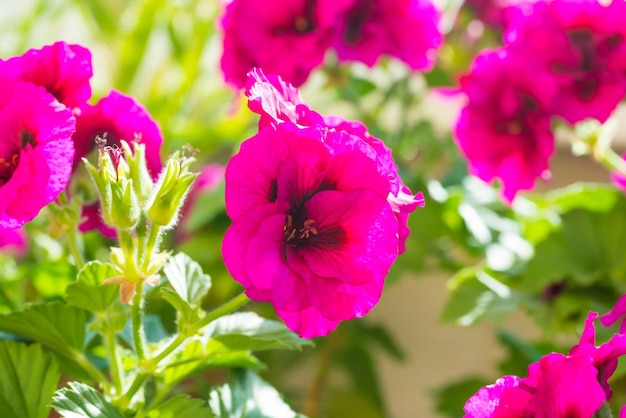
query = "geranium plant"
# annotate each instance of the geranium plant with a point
(197, 198)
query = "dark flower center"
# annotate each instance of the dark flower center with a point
(10, 155)
(297, 234)
(517, 124)
(26, 138)
(7, 167)
(301, 24)
(355, 20)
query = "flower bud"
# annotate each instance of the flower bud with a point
(172, 187)
(138, 171)
(119, 203)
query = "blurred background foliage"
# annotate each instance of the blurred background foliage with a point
(554, 256)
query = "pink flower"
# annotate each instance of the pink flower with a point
(288, 38)
(36, 150)
(13, 241)
(504, 129)
(277, 102)
(312, 230)
(557, 386)
(582, 44)
(62, 69)
(115, 117)
(405, 29)
(617, 313)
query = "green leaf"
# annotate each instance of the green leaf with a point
(248, 396)
(248, 331)
(28, 380)
(81, 401)
(199, 355)
(57, 326)
(187, 315)
(477, 295)
(589, 196)
(88, 293)
(586, 248)
(181, 406)
(187, 278)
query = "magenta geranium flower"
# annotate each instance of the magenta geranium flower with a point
(64, 70)
(277, 102)
(288, 38)
(582, 44)
(36, 150)
(115, 117)
(405, 29)
(504, 128)
(312, 230)
(557, 386)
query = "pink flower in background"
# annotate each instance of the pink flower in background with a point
(13, 241)
(553, 389)
(36, 150)
(504, 129)
(581, 43)
(312, 230)
(277, 102)
(404, 29)
(557, 386)
(62, 69)
(616, 314)
(207, 184)
(288, 38)
(115, 117)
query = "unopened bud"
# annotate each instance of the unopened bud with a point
(172, 187)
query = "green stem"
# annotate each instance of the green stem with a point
(230, 306)
(128, 248)
(114, 362)
(611, 160)
(75, 248)
(604, 411)
(86, 365)
(151, 244)
(137, 322)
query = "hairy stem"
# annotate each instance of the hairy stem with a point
(137, 322)
(114, 362)
(75, 248)
(151, 364)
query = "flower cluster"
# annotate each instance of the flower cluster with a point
(318, 209)
(290, 38)
(553, 386)
(48, 127)
(562, 58)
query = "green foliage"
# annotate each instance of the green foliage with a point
(78, 400)
(249, 396)
(29, 378)
(181, 406)
(88, 292)
(476, 295)
(198, 355)
(186, 277)
(248, 331)
(57, 326)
